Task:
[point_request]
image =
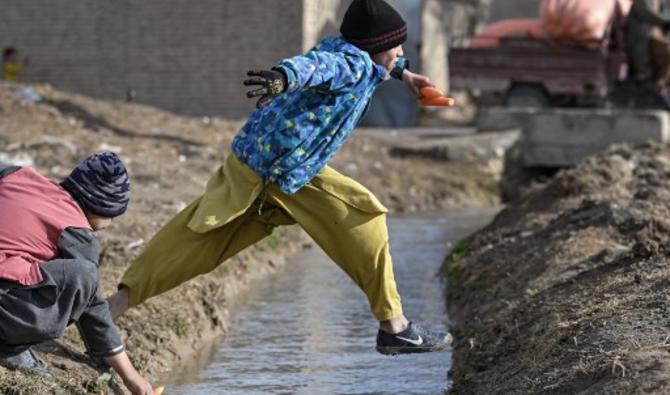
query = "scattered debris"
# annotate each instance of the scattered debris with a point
(28, 95)
(135, 244)
(17, 159)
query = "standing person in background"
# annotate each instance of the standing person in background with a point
(648, 50)
(12, 67)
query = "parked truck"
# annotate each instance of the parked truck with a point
(534, 72)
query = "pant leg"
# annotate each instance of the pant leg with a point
(349, 224)
(7, 349)
(30, 315)
(638, 48)
(177, 254)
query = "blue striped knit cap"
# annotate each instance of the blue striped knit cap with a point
(100, 184)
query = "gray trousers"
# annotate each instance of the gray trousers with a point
(68, 294)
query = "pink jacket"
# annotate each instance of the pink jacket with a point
(33, 213)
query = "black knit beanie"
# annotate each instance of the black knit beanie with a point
(373, 26)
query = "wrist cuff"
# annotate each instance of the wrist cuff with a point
(401, 65)
(284, 82)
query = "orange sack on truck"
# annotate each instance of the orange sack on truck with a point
(490, 36)
(584, 22)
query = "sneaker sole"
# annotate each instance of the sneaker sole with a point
(386, 350)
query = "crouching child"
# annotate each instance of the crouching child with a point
(49, 257)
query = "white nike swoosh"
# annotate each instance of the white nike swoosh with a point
(417, 342)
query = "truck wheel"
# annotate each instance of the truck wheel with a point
(529, 96)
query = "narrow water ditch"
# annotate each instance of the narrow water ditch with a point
(308, 330)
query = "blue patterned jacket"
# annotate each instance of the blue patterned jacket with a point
(329, 89)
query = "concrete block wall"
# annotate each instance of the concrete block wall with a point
(564, 137)
(321, 18)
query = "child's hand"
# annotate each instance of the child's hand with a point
(415, 82)
(135, 383)
(138, 385)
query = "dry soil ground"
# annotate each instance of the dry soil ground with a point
(170, 159)
(566, 291)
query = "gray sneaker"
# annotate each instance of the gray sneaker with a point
(414, 339)
(27, 361)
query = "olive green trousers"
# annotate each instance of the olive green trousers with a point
(237, 210)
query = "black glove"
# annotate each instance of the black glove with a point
(271, 82)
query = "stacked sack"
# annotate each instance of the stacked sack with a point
(490, 36)
(584, 23)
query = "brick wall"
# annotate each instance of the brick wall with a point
(184, 56)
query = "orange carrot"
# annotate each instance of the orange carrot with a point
(429, 92)
(438, 101)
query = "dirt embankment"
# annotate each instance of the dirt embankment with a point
(567, 290)
(170, 159)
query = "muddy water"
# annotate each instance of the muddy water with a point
(308, 330)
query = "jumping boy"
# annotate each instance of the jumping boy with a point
(278, 175)
(49, 256)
